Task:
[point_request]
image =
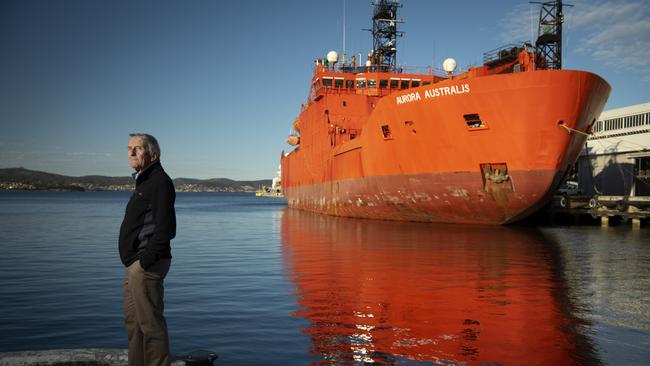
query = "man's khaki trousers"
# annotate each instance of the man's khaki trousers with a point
(145, 323)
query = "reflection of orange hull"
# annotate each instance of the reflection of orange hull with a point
(414, 155)
(399, 292)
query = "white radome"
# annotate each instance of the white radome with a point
(332, 56)
(449, 65)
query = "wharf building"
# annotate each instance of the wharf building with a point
(611, 178)
(616, 158)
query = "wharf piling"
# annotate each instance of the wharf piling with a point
(607, 209)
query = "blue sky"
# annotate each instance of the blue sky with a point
(220, 82)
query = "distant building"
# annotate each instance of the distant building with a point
(616, 158)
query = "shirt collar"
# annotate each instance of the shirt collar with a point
(145, 171)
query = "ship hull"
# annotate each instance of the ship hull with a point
(435, 197)
(420, 159)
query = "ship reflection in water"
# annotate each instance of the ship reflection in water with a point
(391, 293)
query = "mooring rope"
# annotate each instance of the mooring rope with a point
(569, 130)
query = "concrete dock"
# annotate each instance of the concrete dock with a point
(89, 356)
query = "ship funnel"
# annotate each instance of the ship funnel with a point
(449, 65)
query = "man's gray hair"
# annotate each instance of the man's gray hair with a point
(150, 144)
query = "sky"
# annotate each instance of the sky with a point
(219, 83)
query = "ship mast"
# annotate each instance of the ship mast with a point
(548, 46)
(385, 33)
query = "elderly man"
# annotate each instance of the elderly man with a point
(149, 225)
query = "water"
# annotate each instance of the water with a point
(265, 285)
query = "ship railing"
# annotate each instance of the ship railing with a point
(504, 54)
(420, 70)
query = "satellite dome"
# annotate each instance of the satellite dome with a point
(332, 56)
(449, 65)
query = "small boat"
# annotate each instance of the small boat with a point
(275, 190)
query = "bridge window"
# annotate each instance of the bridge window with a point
(338, 82)
(394, 83)
(361, 83)
(383, 83)
(415, 83)
(349, 84)
(404, 84)
(327, 82)
(372, 83)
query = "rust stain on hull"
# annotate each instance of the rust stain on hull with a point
(427, 198)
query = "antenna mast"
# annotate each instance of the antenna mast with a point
(385, 33)
(548, 46)
(344, 33)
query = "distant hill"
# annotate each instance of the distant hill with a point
(31, 180)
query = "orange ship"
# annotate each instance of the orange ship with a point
(488, 145)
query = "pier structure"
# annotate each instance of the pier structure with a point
(611, 178)
(604, 208)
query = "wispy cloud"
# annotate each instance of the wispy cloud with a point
(614, 32)
(516, 23)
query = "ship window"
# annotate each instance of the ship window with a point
(383, 83)
(394, 83)
(474, 121)
(404, 84)
(372, 83)
(349, 84)
(327, 82)
(345, 103)
(426, 82)
(415, 83)
(338, 83)
(361, 83)
(385, 130)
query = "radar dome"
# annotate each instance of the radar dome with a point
(449, 65)
(332, 56)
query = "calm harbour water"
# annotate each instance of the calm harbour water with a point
(265, 285)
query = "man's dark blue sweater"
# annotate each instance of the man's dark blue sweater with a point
(150, 220)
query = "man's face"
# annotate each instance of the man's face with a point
(138, 157)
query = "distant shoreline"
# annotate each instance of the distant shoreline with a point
(25, 180)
